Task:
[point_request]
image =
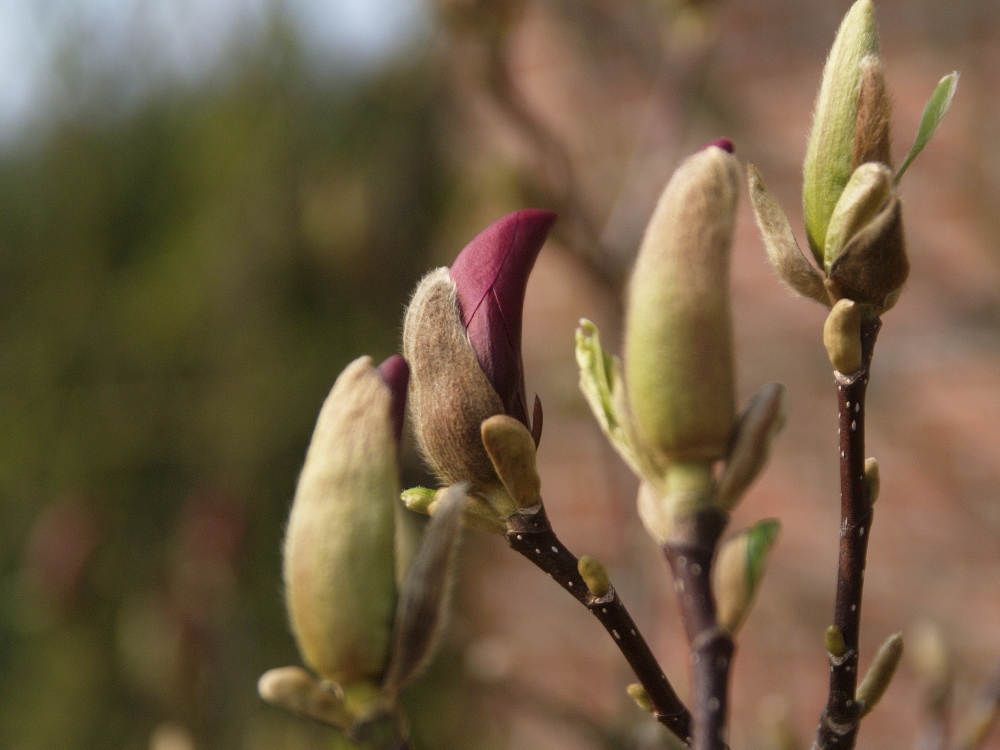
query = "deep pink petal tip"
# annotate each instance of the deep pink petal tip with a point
(724, 143)
(491, 276)
(395, 372)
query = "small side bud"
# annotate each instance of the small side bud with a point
(864, 196)
(295, 690)
(511, 448)
(423, 603)
(479, 514)
(751, 442)
(638, 693)
(834, 640)
(872, 479)
(738, 570)
(842, 336)
(873, 266)
(418, 499)
(594, 575)
(880, 673)
(678, 334)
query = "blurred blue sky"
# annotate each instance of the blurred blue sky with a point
(44, 43)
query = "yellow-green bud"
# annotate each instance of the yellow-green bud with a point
(678, 335)
(830, 149)
(339, 558)
(594, 574)
(638, 693)
(842, 336)
(872, 479)
(834, 640)
(512, 451)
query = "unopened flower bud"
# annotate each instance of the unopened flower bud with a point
(678, 336)
(462, 339)
(829, 153)
(339, 558)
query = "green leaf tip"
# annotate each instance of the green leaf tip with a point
(934, 112)
(760, 539)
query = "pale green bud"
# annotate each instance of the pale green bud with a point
(678, 335)
(339, 558)
(830, 149)
(880, 673)
(865, 194)
(295, 690)
(738, 570)
(756, 429)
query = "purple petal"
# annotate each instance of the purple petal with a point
(395, 373)
(724, 143)
(491, 275)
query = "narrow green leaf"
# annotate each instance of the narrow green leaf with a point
(934, 112)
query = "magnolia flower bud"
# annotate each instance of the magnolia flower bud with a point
(678, 336)
(831, 143)
(462, 338)
(339, 560)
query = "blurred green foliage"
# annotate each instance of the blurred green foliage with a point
(180, 283)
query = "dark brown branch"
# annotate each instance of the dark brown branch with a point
(690, 553)
(838, 725)
(531, 534)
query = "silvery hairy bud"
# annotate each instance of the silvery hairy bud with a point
(853, 214)
(670, 411)
(339, 558)
(678, 336)
(462, 338)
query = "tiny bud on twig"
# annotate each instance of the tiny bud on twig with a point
(834, 640)
(842, 336)
(595, 575)
(880, 673)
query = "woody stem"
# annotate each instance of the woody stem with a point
(838, 725)
(530, 533)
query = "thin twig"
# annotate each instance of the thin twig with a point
(690, 553)
(531, 534)
(838, 725)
